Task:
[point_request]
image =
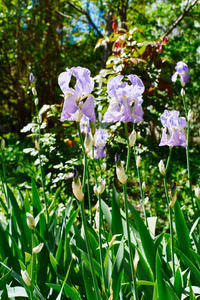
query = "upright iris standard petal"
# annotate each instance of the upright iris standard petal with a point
(78, 100)
(126, 100)
(181, 70)
(173, 132)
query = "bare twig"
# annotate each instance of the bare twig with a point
(85, 13)
(186, 11)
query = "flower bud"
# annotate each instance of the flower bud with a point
(31, 78)
(121, 175)
(138, 161)
(88, 143)
(101, 187)
(36, 101)
(190, 115)
(96, 219)
(144, 186)
(30, 221)
(95, 190)
(135, 262)
(78, 115)
(37, 145)
(132, 138)
(38, 248)
(26, 277)
(197, 192)
(182, 92)
(162, 167)
(77, 190)
(34, 92)
(173, 195)
(103, 167)
(2, 144)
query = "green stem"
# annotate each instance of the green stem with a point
(100, 243)
(3, 179)
(187, 149)
(170, 214)
(128, 148)
(131, 259)
(41, 168)
(142, 196)
(98, 297)
(32, 265)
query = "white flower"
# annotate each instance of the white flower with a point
(38, 248)
(34, 92)
(36, 101)
(162, 167)
(197, 192)
(95, 189)
(190, 115)
(101, 187)
(144, 186)
(132, 138)
(30, 221)
(26, 277)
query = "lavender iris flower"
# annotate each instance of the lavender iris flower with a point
(74, 107)
(182, 70)
(100, 138)
(85, 124)
(173, 133)
(126, 100)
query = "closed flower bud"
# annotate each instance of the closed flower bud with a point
(197, 192)
(173, 198)
(121, 175)
(103, 167)
(138, 161)
(96, 219)
(36, 101)
(162, 167)
(135, 262)
(78, 115)
(144, 186)
(88, 143)
(132, 138)
(26, 277)
(190, 115)
(182, 92)
(2, 144)
(38, 248)
(37, 145)
(34, 92)
(30, 221)
(77, 190)
(95, 190)
(101, 187)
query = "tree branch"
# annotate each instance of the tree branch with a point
(85, 13)
(186, 11)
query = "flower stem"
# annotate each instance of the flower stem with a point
(88, 245)
(134, 289)
(170, 214)
(187, 149)
(41, 168)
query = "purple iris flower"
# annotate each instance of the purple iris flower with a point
(126, 100)
(173, 133)
(182, 70)
(74, 107)
(100, 138)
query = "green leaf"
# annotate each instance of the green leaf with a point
(182, 232)
(4, 280)
(190, 264)
(159, 276)
(146, 240)
(54, 262)
(178, 283)
(117, 271)
(117, 227)
(87, 277)
(71, 220)
(106, 211)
